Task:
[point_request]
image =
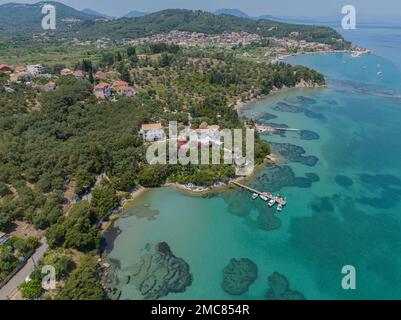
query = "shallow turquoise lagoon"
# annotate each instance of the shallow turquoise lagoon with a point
(345, 209)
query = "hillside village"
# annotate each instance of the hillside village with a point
(29, 73)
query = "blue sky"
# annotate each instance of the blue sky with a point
(306, 8)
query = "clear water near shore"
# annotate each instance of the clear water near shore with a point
(345, 209)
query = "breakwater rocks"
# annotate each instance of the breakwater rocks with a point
(238, 275)
(279, 289)
(294, 153)
(159, 272)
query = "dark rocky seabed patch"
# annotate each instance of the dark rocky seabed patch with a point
(264, 117)
(387, 188)
(238, 275)
(291, 108)
(344, 181)
(159, 272)
(308, 135)
(294, 153)
(279, 289)
(306, 100)
(280, 176)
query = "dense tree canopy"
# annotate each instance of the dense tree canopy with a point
(83, 283)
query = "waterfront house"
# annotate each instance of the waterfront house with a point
(152, 132)
(102, 90)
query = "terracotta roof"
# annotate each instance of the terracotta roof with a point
(65, 71)
(100, 74)
(214, 127)
(102, 85)
(151, 126)
(123, 87)
(119, 83)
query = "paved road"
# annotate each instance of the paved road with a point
(11, 287)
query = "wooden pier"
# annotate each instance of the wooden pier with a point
(268, 129)
(247, 188)
(287, 129)
(277, 199)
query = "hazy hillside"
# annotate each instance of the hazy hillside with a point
(21, 21)
(201, 21)
(97, 14)
(135, 14)
(233, 12)
(27, 18)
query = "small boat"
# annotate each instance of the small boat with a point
(254, 196)
(264, 198)
(272, 202)
(279, 208)
(379, 73)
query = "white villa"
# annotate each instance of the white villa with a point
(152, 132)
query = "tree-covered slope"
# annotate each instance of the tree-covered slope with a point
(201, 21)
(18, 18)
(21, 21)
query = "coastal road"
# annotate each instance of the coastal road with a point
(12, 286)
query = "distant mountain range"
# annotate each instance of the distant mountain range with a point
(27, 18)
(333, 20)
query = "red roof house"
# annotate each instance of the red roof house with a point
(119, 84)
(100, 75)
(102, 90)
(5, 68)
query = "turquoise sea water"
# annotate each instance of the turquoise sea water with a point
(345, 209)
